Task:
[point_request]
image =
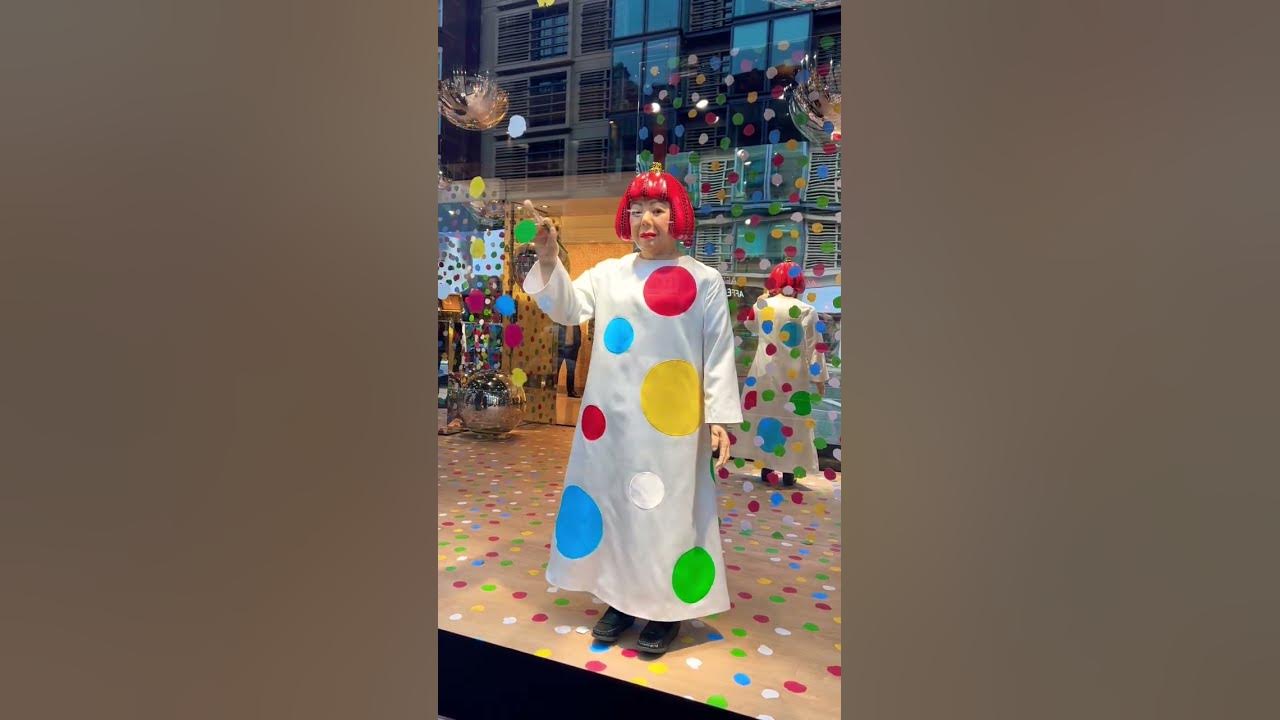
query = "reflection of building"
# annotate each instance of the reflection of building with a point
(459, 150)
(607, 86)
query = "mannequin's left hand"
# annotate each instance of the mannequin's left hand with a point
(720, 445)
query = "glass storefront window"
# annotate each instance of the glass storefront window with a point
(628, 18)
(751, 7)
(663, 15)
(633, 17)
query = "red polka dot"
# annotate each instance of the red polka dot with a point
(513, 336)
(744, 595)
(670, 291)
(592, 612)
(520, 595)
(762, 619)
(460, 584)
(794, 686)
(797, 498)
(597, 666)
(540, 617)
(592, 422)
(834, 670)
(629, 653)
(789, 590)
(822, 606)
(829, 474)
(753, 506)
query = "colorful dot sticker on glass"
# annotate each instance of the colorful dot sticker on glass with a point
(579, 525)
(477, 187)
(516, 126)
(526, 231)
(506, 305)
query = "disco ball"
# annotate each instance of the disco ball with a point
(816, 102)
(488, 211)
(492, 404)
(472, 102)
(806, 4)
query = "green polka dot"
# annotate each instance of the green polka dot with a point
(459, 549)
(738, 119)
(775, 208)
(488, 588)
(819, 443)
(776, 536)
(799, 472)
(767, 395)
(693, 576)
(836, 302)
(823, 202)
(803, 402)
(451, 568)
(506, 563)
(738, 652)
(780, 452)
(460, 536)
(536, 522)
(720, 99)
(517, 541)
(677, 103)
(446, 542)
(795, 353)
(739, 548)
(739, 632)
(810, 627)
(736, 211)
(562, 601)
(821, 576)
(777, 599)
(661, 119)
(718, 701)
(646, 157)
(724, 144)
(673, 62)
(771, 551)
(740, 462)
(827, 42)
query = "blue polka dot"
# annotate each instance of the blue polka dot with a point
(680, 133)
(579, 526)
(750, 382)
(804, 551)
(599, 647)
(828, 126)
(823, 172)
(618, 335)
(644, 133)
(770, 430)
(794, 566)
(815, 369)
(742, 679)
(715, 62)
(820, 596)
(766, 327)
(774, 137)
(757, 196)
(506, 305)
(821, 327)
(775, 499)
(794, 332)
(477, 563)
(794, 271)
(714, 636)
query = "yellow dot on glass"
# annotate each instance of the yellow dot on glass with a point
(792, 144)
(700, 79)
(693, 114)
(751, 96)
(671, 398)
(795, 234)
(766, 314)
(641, 681)
(764, 581)
(477, 186)
(477, 608)
(542, 652)
(800, 183)
(816, 227)
(775, 233)
(657, 668)
(477, 248)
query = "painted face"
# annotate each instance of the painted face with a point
(651, 228)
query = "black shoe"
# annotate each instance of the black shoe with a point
(657, 636)
(612, 625)
(788, 480)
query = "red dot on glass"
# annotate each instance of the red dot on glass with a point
(744, 595)
(794, 686)
(597, 666)
(762, 619)
(629, 653)
(520, 595)
(540, 617)
(749, 130)
(834, 670)
(822, 606)
(460, 584)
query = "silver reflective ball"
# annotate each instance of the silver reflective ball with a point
(492, 404)
(472, 102)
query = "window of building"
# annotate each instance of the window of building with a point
(641, 71)
(548, 96)
(634, 17)
(790, 41)
(545, 159)
(751, 7)
(549, 33)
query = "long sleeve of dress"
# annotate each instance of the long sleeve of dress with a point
(811, 338)
(723, 404)
(565, 301)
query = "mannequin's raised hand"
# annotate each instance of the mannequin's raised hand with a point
(544, 243)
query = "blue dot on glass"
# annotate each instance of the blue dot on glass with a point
(506, 305)
(757, 196)
(828, 126)
(644, 133)
(803, 551)
(823, 172)
(742, 679)
(478, 563)
(750, 382)
(618, 335)
(679, 131)
(774, 136)
(794, 566)
(715, 62)
(599, 647)
(794, 271)
(714, 636)
(648, 89)
(815, 369)
(820, 596)
(820, 327)
(579, 525)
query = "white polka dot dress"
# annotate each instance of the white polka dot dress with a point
(637, 525)
(778, 398)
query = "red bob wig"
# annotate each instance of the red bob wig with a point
(658, 185)
(786, 275)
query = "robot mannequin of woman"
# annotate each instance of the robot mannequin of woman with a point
(637, 524)
(779, 434)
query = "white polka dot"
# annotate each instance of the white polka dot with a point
(765, 650)
(582, 630)
(646, 490)
(694, 663)
(769, 694)
(697, 623)
(563, 630)
(782, 631)
(508, 621)
(456, 616)
(747, 486)
(745, 525)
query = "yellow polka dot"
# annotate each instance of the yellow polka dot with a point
(820, 508)
(816, 227)
(657, 668)
(527, 533)
(776, 233)
(671, 398)
(791, 374)
(751, 96)
(764, 581)
(837, 646)
(800, 183)
(533, 573)
(715, 166)
(700, 79)
(477, 248)
(836, 619)
(766, 314)
(741, 281)
(693, 114)
(795, 234)
(514, 549)
(641, 681)
(802, 580)
(729, 505)
(477, 608)
(797, 447)
(542, 652)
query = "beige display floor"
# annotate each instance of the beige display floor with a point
(775, 654)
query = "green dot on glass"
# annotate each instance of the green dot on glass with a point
(720, 99)
(777, 599)
(718, 701)
(828, 247)
(660, 119)
(776, 536)
(795, 352)
(767, 395)
(823, 202)
(739, 632)
(775, 208)
(745, 426)
(451, 568)
(506, 563)
(836, 303)
(488, 588)
(724, 144)
(736, 211)
(738, 119)
(526, 231)
(738, 652)
(677, 103)
(810, 627)
(827, 42)
(562, 602)
(821, 576)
